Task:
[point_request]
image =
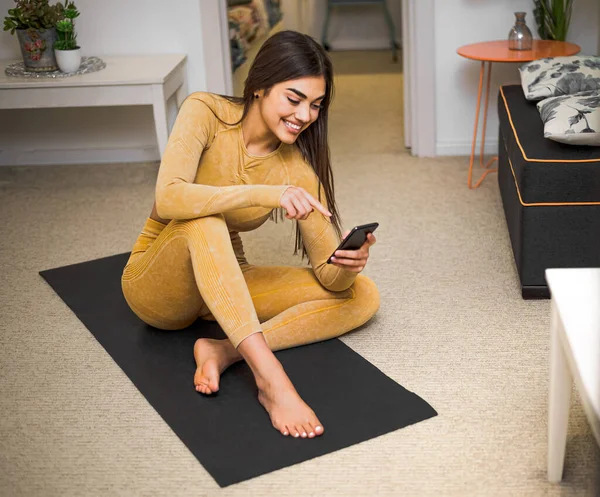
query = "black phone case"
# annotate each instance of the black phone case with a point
(355, 238)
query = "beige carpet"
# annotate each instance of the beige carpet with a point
(452, 328)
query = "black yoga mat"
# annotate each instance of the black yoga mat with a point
(230, 433)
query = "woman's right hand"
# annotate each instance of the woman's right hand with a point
(298, 203)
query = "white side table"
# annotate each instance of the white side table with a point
(139, 80)
(574, 356)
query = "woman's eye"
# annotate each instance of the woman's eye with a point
(295, 102)
(317, 106)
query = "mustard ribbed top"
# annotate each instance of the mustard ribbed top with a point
(206, 170)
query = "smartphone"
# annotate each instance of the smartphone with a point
(355, 239)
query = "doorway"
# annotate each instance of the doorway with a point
(417, 53)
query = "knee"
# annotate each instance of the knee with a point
(366, 296)
(204, 224)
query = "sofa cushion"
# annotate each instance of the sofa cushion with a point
(558, 76)
(545, 171)
(572, 119)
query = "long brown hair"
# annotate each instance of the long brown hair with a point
(291, 55)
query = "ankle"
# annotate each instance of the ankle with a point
(226, 352)
(268, 371)
(272, 381)
(230, 352)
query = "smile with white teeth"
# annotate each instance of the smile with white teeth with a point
(295, 127)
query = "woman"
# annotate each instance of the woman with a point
(228, 165)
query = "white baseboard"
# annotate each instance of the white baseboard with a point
(15, 157)
(464, 147)
(358, 44)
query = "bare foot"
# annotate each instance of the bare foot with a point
(212, 358)
(289, 413)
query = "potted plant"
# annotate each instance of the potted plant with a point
(68, 53)
(34, 22)
(553, 18)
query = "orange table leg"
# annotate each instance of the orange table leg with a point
(487, 99)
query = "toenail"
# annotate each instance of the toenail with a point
(297, 435)
(303, 433)
(311, 434)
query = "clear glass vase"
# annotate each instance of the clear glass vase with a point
(520, 37)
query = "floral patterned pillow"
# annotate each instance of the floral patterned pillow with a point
(556, 76)
(572, 119)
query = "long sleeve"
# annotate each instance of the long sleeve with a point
(320, 240)
(177, 196)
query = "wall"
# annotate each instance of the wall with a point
(460, 22)
(127, 134)
(109, 27)
(217, 56)
(350, 28)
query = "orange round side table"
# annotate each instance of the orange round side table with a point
(498, 51)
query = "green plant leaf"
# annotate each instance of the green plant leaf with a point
(538, 14)
(37, 14)
(553, 18)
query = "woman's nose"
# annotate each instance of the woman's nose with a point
(303, 113)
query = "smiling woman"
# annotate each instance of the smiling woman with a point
(229, 163)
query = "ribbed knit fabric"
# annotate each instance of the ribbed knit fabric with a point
(184, 270)
(212, 188)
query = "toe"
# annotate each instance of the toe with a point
(305, 430)
(319, 429)
(301, 431)
(280, 428)
(204, 389)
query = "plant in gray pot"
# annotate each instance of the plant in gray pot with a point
(34, 22)
(68, 53)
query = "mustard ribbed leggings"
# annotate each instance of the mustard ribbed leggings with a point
(188, 269)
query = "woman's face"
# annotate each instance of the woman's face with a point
(292, 106)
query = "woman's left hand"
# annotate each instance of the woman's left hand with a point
(354, 260)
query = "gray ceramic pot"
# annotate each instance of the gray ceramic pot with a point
(37, 48)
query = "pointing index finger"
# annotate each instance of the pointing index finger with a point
(315, 203)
